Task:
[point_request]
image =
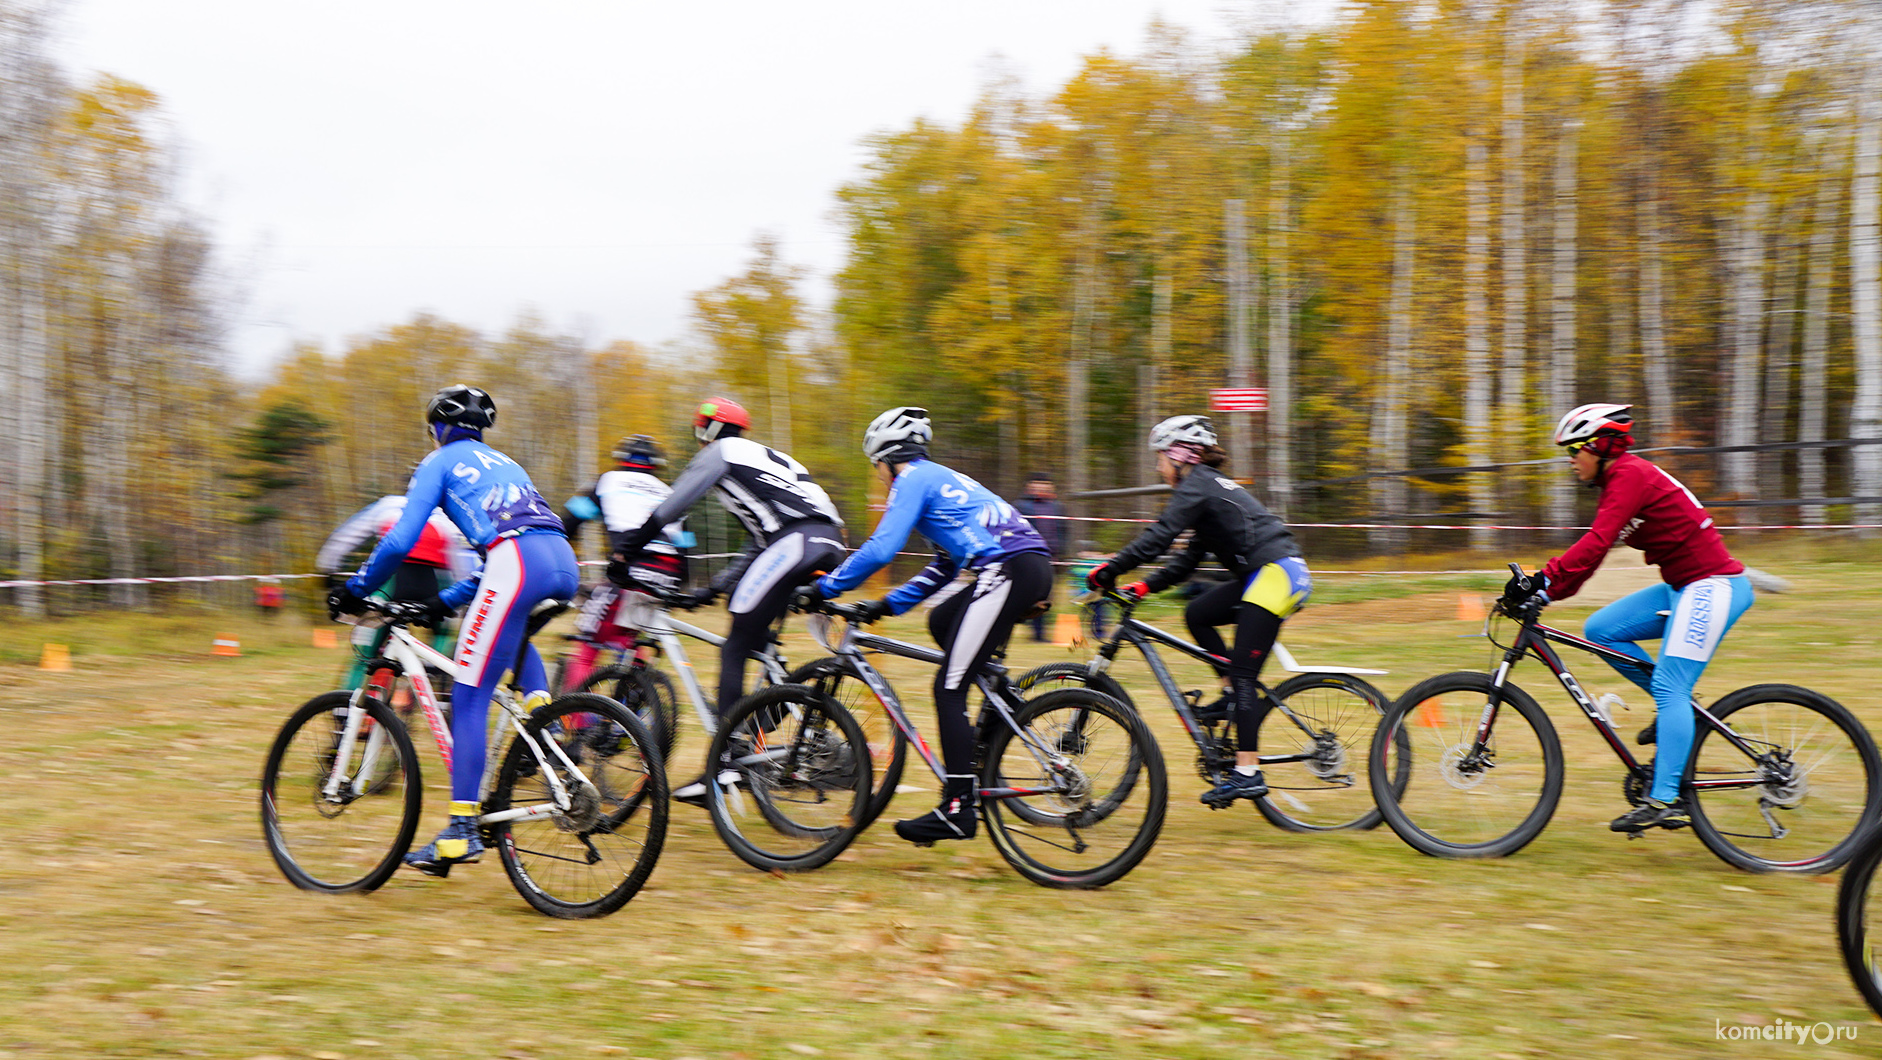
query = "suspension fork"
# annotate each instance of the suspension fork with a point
(1487, 720)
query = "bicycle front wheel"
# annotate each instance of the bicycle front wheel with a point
(888, 748)
(1318, 780)
(1856, 900)
(1074, 797)
(1462, 795)
(594, 786)
(333, 823)
(799, 782)
(1801, 797)
(645, 691)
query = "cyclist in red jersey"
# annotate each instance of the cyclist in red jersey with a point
(1704, 590)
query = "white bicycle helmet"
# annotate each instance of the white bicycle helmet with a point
(1591, 421)
(903, 430)
(1191, 430)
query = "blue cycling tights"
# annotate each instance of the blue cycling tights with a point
(1689, 622)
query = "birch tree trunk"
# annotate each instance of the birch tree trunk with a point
(1235, 225)
(1661, 412)
(1161, 340)
(1865, 416)
(1775, 408)
(1479, 378)
(1393, 452)
(1280, 327)
(27, 88)
(1515, 428)
(1812, 399)
(1078, 371)
(1562, 307)
(1739, 417)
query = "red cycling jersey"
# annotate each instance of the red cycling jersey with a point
(1645, 508)
(432, 550)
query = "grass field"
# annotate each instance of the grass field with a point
(140, 914)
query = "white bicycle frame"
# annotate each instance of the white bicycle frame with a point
(411, 654)
(645, 615)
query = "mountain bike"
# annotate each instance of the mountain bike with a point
(576, 806)
(1856, 897)
(1780, 779)
(1071, 783)
(650, 615)
(1316, 725)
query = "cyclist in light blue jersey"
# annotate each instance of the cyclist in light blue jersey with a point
(972, 530)
(527, 560)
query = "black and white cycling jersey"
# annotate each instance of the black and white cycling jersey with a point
(764, 489)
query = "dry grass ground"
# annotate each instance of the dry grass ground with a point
(140, 914)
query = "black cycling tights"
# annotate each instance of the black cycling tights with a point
(970, 626)
(1256, 629)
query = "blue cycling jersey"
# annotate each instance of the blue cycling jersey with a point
(969, 526)
(485, 493)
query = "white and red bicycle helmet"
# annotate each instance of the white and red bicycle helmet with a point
(1606, 428)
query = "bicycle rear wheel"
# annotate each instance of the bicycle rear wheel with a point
(586, 858)
(1053, 676)
(646, 692)
(1455, 801)
(352, 838)
(1327, 787)
(1098, 783)
(803, 779)
(1858, 905)
(1050, 678)
(1805, 798)
(888, 748)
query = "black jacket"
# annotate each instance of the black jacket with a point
(1228, 523)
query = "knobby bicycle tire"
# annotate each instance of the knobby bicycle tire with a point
(647, 692)
(1852, 918)
(589, 860)
(888, 748)
(1330, 791)
(1051, 678)
(803, 779)
(1084, 804)
(1453, 805)
(1822, 788)
(352, 842)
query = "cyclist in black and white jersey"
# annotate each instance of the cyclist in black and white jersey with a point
(794, 533)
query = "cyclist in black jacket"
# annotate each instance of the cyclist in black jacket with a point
(1269, 580)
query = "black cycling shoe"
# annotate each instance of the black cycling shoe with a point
(1652, 814)
(1232, 786)
(954, 819)
(1650, 734)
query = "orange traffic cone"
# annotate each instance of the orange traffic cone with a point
(55, 657)
(1431, 713)
(323, 637)
(1065, 631)
(226, 645)
(1470, 608)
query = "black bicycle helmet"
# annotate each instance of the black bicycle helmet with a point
(639, 450)
(462, 406)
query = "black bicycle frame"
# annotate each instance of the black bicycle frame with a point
(1140, 635)
(1534, 638)
(993, 684)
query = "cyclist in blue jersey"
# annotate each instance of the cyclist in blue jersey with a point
(972, 530)
(527, 560)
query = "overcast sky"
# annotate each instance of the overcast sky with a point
(597, 160)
